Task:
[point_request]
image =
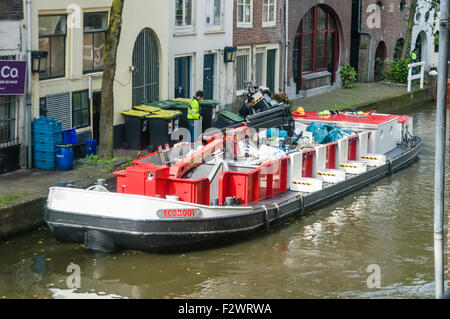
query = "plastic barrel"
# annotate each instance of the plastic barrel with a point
(70, 136)
(64, 157)
(91, 147)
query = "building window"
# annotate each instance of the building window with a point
(260, 79)
(7, 118)
(244, 13)
(213, 13)
(242, 70)
(11, 10)
(269, 13)
(95, 26)
(52, 38)
(183, 13)
(436, 42)
(315, 43)
(81, 111)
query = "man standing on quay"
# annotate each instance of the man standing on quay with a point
(193, 115)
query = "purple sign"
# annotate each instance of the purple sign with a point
(12, 77)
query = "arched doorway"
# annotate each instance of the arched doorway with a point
(380, 56)
(316, 46)
(421, 46)
(146, 64)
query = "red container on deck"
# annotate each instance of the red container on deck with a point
(260, 183)
(352, 147)
(331, 155)
(192, 191)
(308, 163)
(135, 180)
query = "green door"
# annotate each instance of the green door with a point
(271, 55)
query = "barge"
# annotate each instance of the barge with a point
(230, 186)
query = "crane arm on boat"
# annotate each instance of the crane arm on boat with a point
(216, 143)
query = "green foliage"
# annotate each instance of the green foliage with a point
(348, 76)
(96, 159)
(397, 70)
(7, 199)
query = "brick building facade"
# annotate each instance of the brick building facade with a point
(319, 44)
(380, 40)
(259, 35)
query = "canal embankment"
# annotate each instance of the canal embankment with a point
(368, 96)
(23, 193)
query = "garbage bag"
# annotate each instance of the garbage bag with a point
(320, 131)
(334, 135)
(327, 133)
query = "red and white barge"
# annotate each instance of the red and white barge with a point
(167, 203)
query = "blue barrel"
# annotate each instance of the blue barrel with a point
(70, 136)
(64, 157)
(91, 147)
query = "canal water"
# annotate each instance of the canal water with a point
(334, 252)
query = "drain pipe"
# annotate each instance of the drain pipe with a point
(286, 45)
(371, 41)
(439, 177)
(29, 84)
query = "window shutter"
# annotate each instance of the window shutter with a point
(58, 107)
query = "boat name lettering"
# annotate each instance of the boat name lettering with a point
(179, 213)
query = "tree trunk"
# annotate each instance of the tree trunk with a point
(106, 144)
(407, 44)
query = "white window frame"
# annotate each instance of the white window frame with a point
(244, 24)
(264, 49)
(248, 52)
(185, 26)
(269, 23)
(212, 26)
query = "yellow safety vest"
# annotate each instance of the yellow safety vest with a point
(193, 110)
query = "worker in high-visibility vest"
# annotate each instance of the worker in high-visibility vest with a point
(413, 56)
(193, 115)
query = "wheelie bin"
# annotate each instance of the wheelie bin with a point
(227, 119)
(136, 129)
(208, 110)
(160, 127)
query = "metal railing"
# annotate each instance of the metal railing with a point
(420, 75)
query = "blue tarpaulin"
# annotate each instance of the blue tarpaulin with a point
(327, 133)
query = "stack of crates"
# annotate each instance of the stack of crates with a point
(47, 133)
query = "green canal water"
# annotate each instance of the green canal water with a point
(323, 255)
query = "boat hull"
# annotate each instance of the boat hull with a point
(109, 227)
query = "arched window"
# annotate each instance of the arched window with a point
(146, 63)
(398, 48)
(316, 44)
